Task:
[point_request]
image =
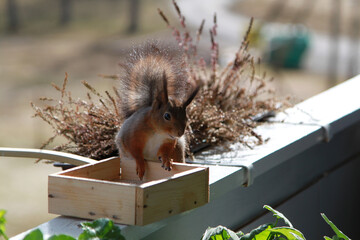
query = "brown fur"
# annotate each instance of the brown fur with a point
(155, 84)
(139, 83)
(170, 151)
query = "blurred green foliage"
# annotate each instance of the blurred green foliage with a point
(2, 224)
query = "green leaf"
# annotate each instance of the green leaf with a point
(2, 215)
(61, 237)
(297, 237)
(2, 224)
(101, 228)
(279, 215)
(258, 232)
(266, 232)
(327, 238)
(219, 233)
(34, 235)
(289, 233)
(240, 234)
(97, 228)
(335, 229)
(2, 233)
(2, 220)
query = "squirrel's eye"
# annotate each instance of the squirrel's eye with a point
(167, 116)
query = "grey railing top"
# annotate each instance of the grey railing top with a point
(291, 132)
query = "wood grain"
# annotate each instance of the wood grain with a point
(108, 169)
(153, 170)
(176, 195)
(91, 199)
(96, 190)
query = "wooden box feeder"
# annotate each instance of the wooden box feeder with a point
(111, 189)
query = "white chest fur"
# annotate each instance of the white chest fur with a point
(152, 146)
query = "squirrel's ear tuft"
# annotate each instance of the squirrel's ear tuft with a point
(191, 97)
(162, 96)
(156, 104)
(164, 92)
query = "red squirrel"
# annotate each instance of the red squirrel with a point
(154, 92)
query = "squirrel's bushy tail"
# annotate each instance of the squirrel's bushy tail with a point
(142, 78)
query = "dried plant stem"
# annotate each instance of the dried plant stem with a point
(221, 113)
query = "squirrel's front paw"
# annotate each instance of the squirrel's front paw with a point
(166, 163)
(140, 170)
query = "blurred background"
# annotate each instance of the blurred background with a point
(306, 45)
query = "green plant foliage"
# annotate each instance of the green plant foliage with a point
(284, 233)
(258, 232)
(278, 216)
(219, 233)
(339, 235)
(267, 231)
(2, 224)
(263, 232)
(102, 228)
(61, 237)
(34, 235)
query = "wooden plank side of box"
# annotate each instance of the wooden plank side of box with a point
(91, 199)
(175, 195)
(107, 169)
(153, 170)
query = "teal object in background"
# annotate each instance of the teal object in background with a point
(287, 51)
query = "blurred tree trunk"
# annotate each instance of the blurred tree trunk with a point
(354, 34)
(134, 16)
(66, 9)
(276, 9)
(12, 16)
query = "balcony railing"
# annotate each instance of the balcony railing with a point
(309, 165)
